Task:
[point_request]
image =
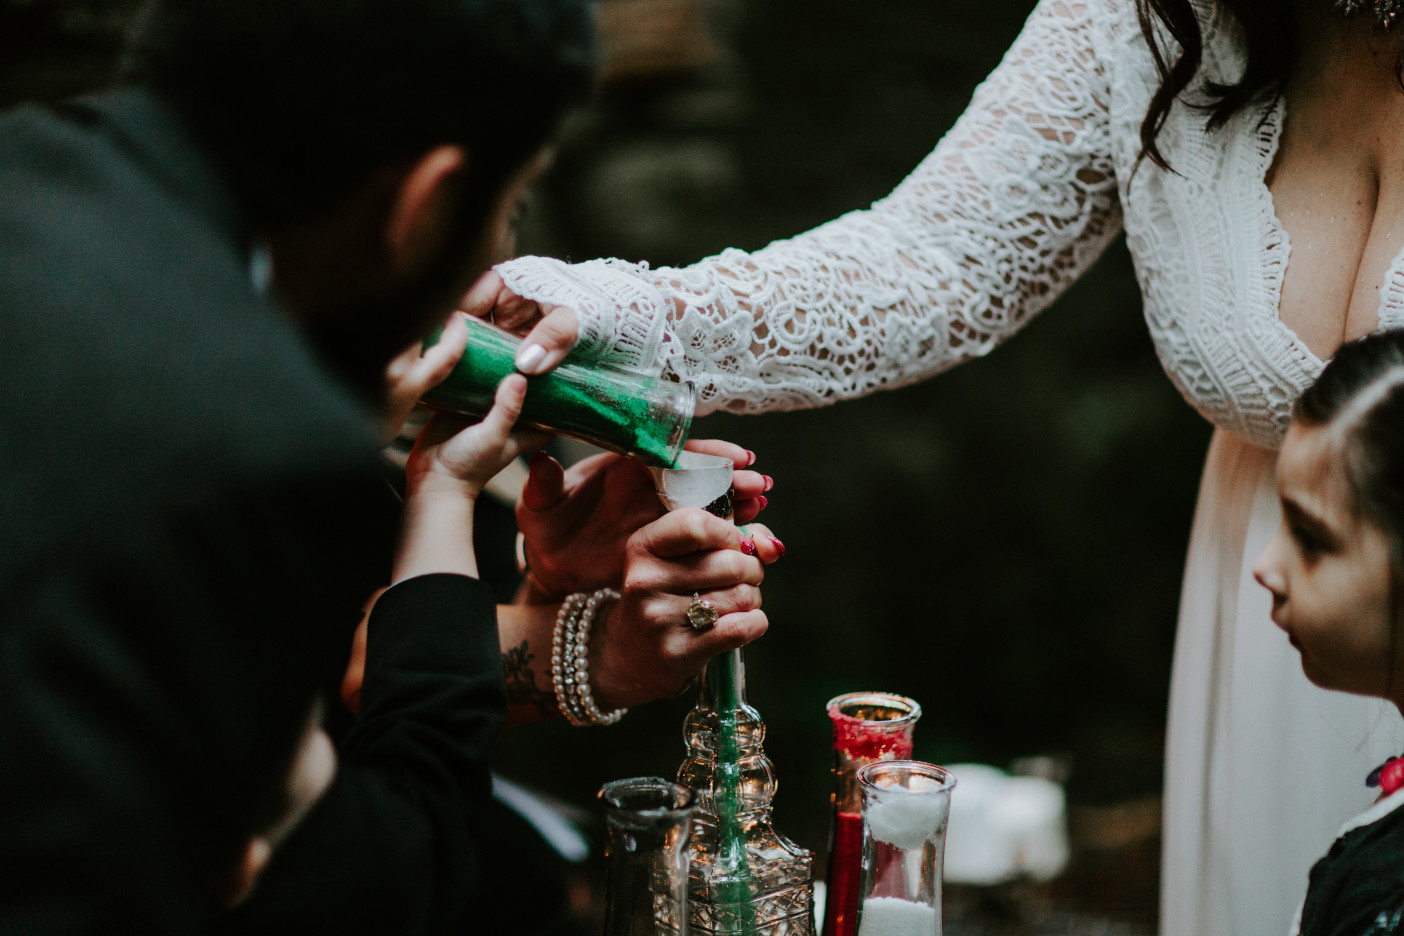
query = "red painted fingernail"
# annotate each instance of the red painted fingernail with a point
(769, 482)
(752, 456)
(778, 545)
(763, 501)
(748, 547)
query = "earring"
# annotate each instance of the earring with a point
(1386, 11)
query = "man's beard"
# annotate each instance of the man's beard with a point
(358, 340)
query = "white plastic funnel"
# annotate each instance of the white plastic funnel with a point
(698, 481)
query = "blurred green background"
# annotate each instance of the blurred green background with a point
(1003, 543)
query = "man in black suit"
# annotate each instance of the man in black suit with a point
(202, 277)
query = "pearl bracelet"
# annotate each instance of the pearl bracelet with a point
(570, 659)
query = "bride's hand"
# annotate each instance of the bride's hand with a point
(417, 369)
(550, 331)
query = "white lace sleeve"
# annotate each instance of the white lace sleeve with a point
(1014, 203)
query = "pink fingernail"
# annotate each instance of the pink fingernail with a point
(752, 456)
(769, 482)
(748, 547)
(763, 501)
(778, 545)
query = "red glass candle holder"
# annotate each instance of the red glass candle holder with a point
(868, 727)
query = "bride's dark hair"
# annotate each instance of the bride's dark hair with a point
(1270, 31)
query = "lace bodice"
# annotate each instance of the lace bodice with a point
(1022, 194)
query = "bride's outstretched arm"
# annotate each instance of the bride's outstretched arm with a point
(1013, 204)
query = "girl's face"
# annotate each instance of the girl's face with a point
(1329, 572)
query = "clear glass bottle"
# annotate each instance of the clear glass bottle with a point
(634, 414)
(647, 830)
(745, 879)
(868, 727)
(906, 805)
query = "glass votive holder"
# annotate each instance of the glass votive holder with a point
(906, 805)
(647, 822)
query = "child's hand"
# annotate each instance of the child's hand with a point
(451, 462)
(455, 457)
(415, 371)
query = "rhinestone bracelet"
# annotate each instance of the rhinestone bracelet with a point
(593, 604)
(563, 655)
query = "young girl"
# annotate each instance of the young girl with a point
(1336, 573)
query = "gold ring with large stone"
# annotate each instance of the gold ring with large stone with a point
(701, 614)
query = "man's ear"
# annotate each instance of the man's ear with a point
(251, 865)
(423, 211)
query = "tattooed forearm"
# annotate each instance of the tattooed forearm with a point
(522, 686)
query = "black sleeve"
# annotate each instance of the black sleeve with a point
(391, 846)
(1357, 887)
(155, 672)
(1382, 916)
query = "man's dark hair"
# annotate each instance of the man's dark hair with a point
(299, 101)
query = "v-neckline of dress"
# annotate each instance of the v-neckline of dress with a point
(1390, 312)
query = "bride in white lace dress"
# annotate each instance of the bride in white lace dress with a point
(1267, 241)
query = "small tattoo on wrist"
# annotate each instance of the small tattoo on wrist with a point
(521, 681)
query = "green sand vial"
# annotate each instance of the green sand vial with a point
(634, 414)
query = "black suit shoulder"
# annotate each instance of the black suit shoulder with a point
(192, 517)
(137, 365)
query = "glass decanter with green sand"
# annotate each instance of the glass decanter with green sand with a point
(744, 878)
